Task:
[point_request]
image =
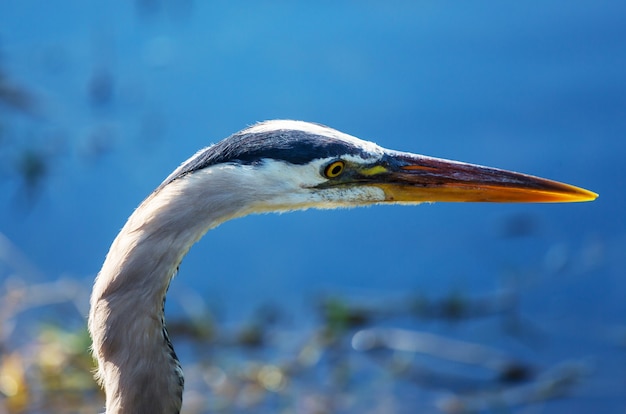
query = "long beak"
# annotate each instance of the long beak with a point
(408, 177)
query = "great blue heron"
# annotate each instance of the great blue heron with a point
(271, 166)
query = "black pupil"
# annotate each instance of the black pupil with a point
(335, 170)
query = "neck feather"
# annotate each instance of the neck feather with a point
(137, 365)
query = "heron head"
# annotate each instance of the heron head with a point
(285, 165)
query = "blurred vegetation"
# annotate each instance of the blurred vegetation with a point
(352, 358)
(24, 158)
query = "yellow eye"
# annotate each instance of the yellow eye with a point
(334, 169)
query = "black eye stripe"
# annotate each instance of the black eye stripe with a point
(292, 146)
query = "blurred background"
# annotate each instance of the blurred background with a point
(444, 308)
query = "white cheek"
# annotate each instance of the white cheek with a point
(301, 183)
(352, 196)
(276, 186)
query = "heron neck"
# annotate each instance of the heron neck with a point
(136, 363)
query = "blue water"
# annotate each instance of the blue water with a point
(126, 92)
